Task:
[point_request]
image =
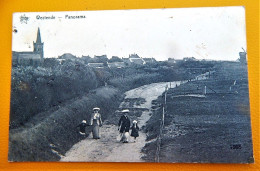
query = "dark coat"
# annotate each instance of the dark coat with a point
(135, 130)
(124, 124)
(82, 127)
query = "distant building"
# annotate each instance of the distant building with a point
(116, 65)
(126, 60)
(102, 58)
(133, 56)
(85, 57)
(149, 60)
(34, 58)
(137, 61)
(134, 59)
(96, 65)
(171, 60)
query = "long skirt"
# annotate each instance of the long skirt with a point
(95, 130)
(125, 137)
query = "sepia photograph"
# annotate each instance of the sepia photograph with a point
(149, 85)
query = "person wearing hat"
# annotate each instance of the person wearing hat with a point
(135, 130)
(124, 125)
(82, 127)
(96, 122)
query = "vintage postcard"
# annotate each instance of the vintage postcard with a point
(153, 85)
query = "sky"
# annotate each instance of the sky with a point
(217, 33)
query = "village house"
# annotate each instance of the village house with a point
(171, 61)
(96, 65)
(149, 60)
(116, 65)
(137, 61)
(99, 59)
(134, 59)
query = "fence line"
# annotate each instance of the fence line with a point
(158, 144)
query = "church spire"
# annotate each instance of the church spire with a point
(38, 45)
(38, 39)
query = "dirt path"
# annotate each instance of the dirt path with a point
(108, 148)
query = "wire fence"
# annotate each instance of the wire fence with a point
(159, 137)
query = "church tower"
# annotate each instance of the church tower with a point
(38, 45)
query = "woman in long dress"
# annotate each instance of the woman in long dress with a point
(96, 122)
(124, 126)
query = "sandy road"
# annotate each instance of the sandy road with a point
(108, 148)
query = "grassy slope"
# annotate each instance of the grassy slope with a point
(211, 129)
(57, 131)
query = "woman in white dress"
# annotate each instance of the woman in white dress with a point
(96, 122)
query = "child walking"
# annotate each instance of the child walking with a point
(135, 130)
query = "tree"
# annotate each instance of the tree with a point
(115, 59)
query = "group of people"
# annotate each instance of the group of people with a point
(124, 126)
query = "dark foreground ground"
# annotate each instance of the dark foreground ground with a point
(211, 128)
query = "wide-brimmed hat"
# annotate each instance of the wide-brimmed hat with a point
(84, 121)
(134, 121)
(125, 111)
(96, 108)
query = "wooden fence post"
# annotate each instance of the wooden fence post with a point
(157, 154)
